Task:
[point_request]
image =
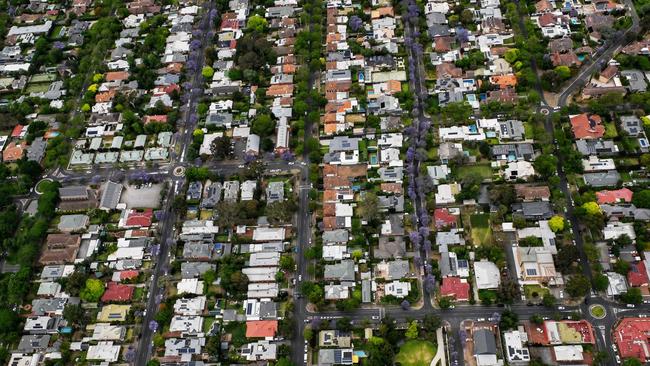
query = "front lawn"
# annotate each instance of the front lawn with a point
(610, 130)
(416, 353)
(481, 232)
(535, 292)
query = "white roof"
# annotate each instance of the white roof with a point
(264, 259)
(268, 234)
(568, 353)
(190, 286)
(104, 351)
(192, 306)
(487, 275)
(514, 345)
(186, 324)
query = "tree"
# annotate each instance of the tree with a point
(641, 199)
(412, 330)
(556, 223)
(280, 212)
(257, 23)
(93, 290)
(8, 322)
(563, 72)
(75, 314)
(369, 207)
(444, 302)
(287, 263)
(578, 286)
(380, 352)
(591, 208)
(284, 361)
(632, 296)
(263, 125)
(600, 282)
(632, 361)
(509, 320)
(622, 267)
(507, 291)
(545, 165)
(549, 300)
(207, 72)
(431, 322)
(221, 147)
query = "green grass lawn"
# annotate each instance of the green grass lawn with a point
(416, 353)
(531, 290)
(484, 170)
(529, 131)
(610, 131)
(597, 311)
(481, 232)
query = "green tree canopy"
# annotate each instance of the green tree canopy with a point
(93, 290)
(257, 23)
(578, 286)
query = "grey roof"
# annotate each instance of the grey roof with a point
(390, 247)
(111, 195)
(636, 80)
(514, 129)
(195, 269)
(632, 125)
(484, 342)
(328, 356)
(395, 203)
(275, 192)
(73, 192)
(398, 269)
(36, 150)
(366, 291)
(343, 271)
(391, 174)
(33, 343)
(219, 119)
(197, 251)
(602, 179)
(596, 147)
(436, 18)
(343, 143)
(626, 210)
(52, 271)
(448, 150)
(534, 210)
(73, 222)
(194, 190)
(47, 306)
(335, 236)
(519, 151)
(438, 30)
(213, 195)
(268, 310)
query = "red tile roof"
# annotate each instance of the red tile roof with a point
(161, 118)
(632, 337)
(614, 196)
(587, 126)
(455, 287)
(116, 75)
(140, 218)
(261, 328)
(127, 275)
(443, 218)
(638, 275)
(13, 152)
(17, 131)
(116, 292)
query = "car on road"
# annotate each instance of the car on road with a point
(630, 306)
(299, 278)
(375, 317)
(561, 308)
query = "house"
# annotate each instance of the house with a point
(596, 164)
(597, 147)
(103, 351)
(632, 125)
(60, 249)
(389, 247)
(443, 218)
(616, 285)
(631, 337)
(248, 190)
(334, 338)
(602, 179)
(511, 152)
(587, 126)
(614, 196)
(446, 193)
(487, 275)
(455, 287)
(194, 190)
(116, 292)
(259, 351)
(13, 152)
(636, 80)
(616, 229)
(36, 151)
(516, 170)
(335, 356)
(537, 210)
(73, 223)
(532, 193)
(485, 348)
(261, 328)
(137, 218)
(397, 289)
(111, 193)
(514, 344)
(113, 313)
(536, 265)
(342, 271)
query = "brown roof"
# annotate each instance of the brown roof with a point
(543, 6)
(568, 59)
(609, 72)
(334, 182)
(60, 249)
(116, 75)
(13, 152)
(532, 193)
(561, 45)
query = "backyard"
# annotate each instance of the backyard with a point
(416, 353)
(481, 232)
(534, 292)
(484, 170)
